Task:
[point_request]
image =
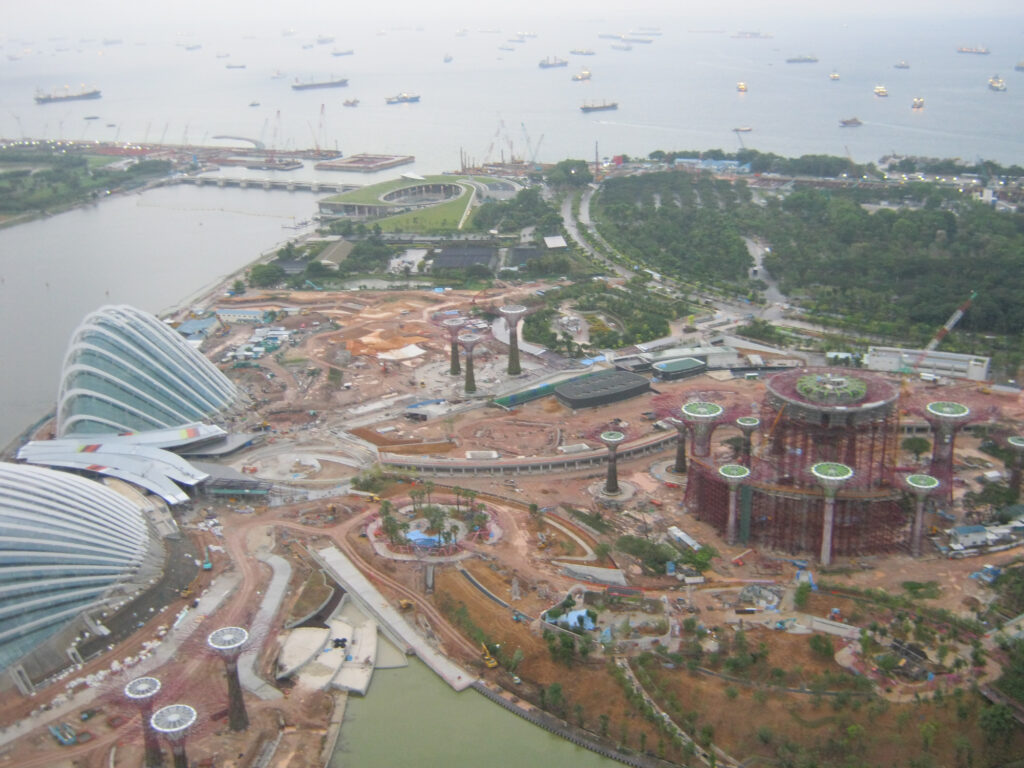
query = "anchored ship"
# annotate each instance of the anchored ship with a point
(917, 103)
(802, 60)
(980, 50)
(741, 87)
(341, 82)
(49, 98)
(901, 64)
(553, 61)
(582, 75)
(403, 98)
(881, 90)
(850, 122)
(604, 105)
(996, 83)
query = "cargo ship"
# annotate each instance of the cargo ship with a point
(553, 61)
(917, 103)
(403, 98)
(833, 75)
(350, 103)
(83, 95)
(1019, 66)
(582, 75)
(741, 87)
(881, 90)
(341, 82)
(582, 52)
(602, 107)
(901, 64)
(996, 83)
(980, 51)
(347, 52)
(850, 122)
(802, 60)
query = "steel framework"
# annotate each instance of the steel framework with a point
(810, 416)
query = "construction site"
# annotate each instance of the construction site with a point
(652, 546)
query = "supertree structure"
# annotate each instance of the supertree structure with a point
(468, 341)
(453, 325)
(612, 439)
(227, 642)
(1016, 444)
(921, 486)
(946, 418)
(702, 417)
(512, 314)
(140, 692)
(748, 425)
(734, 475)
(173, 723)
(831, 475)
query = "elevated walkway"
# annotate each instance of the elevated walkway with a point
(392, 623)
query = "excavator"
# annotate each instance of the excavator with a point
(489, 661)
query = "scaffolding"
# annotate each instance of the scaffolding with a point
(816, 416)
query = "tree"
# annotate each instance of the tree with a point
(570, 173)
(802, 595)
(265, 275)
(238, 287)
(928, 732)
(916, 445)
(998, 724)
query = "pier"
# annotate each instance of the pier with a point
(278, 184)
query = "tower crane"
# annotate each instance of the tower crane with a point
(945, 329)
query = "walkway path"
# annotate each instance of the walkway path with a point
(371, 600)
(272, 597)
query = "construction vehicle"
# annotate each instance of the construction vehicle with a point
(489, 661)
(405, 605)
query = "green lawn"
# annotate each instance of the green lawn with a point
(440, 218)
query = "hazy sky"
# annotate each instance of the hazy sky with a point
(121, 17)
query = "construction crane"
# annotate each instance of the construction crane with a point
(944, 330)
(531, 148)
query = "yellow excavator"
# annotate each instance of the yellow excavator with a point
(489, 661)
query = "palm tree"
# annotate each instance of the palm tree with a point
(428, 487)
(416, 495)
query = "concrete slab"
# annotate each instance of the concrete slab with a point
(372, 601)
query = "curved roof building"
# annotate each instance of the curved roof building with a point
(65, 542)
(127, 371)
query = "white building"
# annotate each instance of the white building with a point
(955, 366)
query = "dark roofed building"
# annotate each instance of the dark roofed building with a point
(521, 254)
(602, 388)
(679, 368)
(463, 256)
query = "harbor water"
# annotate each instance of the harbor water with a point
(153, 250)
(491, 101)
(410, 717)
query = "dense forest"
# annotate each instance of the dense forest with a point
(526, 209)
(896, 268)
(679, 224)
(45, 178)
(895, 271)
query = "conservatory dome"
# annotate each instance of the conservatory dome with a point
(65, 542)
(126, 371)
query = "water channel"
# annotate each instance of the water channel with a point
(410, 717)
